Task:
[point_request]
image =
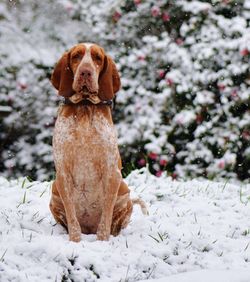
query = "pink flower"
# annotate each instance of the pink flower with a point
(199, 118)
(161, 73)
(245, 52)
(141, 58)
(137, 2)
(142, 162)
(163, 162)
(234, 93)
(22, 85)
(180, 120)
(169, 82)
(137, 107)
(155, 11)
(152, 156)
(246, 135)
(179, 41)
(159, 173)
(221, 164)
(116, 16)
(69, 7)
(165, 17)
(10, 169)
(221, 86)
(174, 175)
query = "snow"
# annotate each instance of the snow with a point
(185, 117)
(208, 276)
(196, 231)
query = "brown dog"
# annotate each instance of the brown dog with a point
(89, 194)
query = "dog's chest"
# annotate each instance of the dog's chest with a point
(87, 143)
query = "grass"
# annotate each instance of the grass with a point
(3, 255)
(161, 237)
(246, 232)
(225, 184)
(27, 179)
(242, 196)
(246, 246)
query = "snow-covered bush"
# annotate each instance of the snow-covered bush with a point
(33, 36)
(184, 105)
(184, 102)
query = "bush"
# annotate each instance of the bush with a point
(184, 103)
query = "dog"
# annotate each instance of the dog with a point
(88, 195)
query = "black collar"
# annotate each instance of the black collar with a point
(84, 102)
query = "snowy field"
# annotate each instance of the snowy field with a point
(196, 231)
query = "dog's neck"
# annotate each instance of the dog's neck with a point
(86, 110)
(83, 102)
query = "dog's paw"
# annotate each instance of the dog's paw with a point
(75, 237)
(75, 234)
(102, 235)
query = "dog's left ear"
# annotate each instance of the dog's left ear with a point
(109, 80)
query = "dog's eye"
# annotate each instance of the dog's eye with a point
(98, 57)
(77, 57)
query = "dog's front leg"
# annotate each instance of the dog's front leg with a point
(65, 189)
(110, 194)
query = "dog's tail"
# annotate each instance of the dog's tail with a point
(141, 203)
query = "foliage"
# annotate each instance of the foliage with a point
(184, 106)
(184, 102)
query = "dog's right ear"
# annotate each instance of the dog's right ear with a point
(62, 76)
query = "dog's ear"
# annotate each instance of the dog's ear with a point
(109, 80)
(62, 76)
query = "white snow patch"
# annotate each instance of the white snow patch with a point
(208, 276)
(195, 230)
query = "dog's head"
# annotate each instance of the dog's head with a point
(86, 71)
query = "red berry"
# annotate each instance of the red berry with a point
(163, 162)
(142, 162)
(245, 52)
(153, 156)
(165, 17)
(158, 173)
(174, 175)
(161, 73)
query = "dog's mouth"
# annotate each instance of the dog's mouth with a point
(85, 91)
(85, 94)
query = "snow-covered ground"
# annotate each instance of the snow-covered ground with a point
(196, 231)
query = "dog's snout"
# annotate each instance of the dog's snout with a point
(86, 73)
(86, 76)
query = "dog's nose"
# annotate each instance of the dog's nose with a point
(86, 73)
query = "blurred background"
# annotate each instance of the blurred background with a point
(184, 104)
